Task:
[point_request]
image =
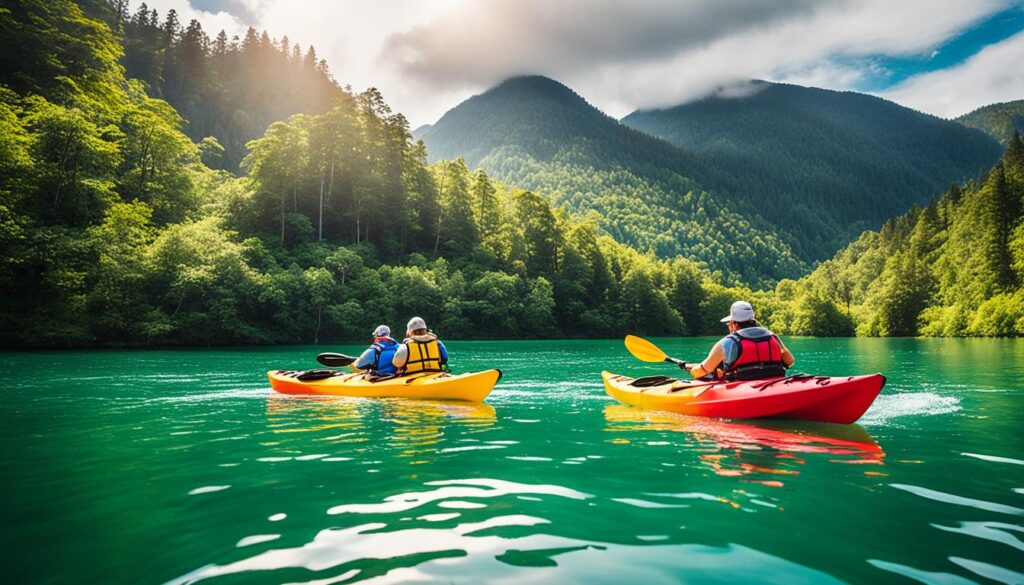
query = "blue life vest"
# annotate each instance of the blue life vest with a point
(383, 350)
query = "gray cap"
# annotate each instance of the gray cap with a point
(382, 331)
(415, 323)
(739, 312)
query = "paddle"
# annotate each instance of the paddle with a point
(646, 351)
(335, 360)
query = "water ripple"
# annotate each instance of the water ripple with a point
(523, 559)
(959, 500)
(456, 489)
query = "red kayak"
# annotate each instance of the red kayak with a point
(801, 397)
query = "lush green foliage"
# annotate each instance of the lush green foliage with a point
(115, 232)
(227, 89)
(999, 121)
(831, 163)
(953, 268)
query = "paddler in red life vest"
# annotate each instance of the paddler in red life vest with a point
(377, 359)
(749, 352)
(420, 351)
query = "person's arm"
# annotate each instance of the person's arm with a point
(401, 356)
(787, 356)
(365, 360)
(444, 352)
(715, 357)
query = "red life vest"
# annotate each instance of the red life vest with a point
(760, 355)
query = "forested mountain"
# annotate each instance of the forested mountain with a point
(952, 268)
(836, 163)
(536, 133)
(787, 174)
(227, 88)
(999, 121)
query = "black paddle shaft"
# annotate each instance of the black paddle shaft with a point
(335, 360)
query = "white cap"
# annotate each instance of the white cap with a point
(739, 312)
(382, 331)
(415, 323)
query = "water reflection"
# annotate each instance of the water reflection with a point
(415, 429)
(752, 450)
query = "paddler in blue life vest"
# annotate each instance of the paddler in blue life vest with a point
(420, 351)
(377, 359)
(749, 352)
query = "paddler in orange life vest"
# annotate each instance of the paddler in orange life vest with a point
(749, 352)
(420, 351)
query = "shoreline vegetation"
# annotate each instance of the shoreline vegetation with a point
(118, 229)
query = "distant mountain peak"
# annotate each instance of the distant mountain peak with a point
(538, 87)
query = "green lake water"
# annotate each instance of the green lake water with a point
(183, 466)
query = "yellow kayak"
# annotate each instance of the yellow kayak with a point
(474, 386)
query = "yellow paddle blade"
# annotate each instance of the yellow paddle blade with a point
(644, 350)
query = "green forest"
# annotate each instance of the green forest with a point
(838, 163)
(1000, 121)
(120, 225)
(951, 268)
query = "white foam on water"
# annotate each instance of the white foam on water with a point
(893, 406)
(248, 393)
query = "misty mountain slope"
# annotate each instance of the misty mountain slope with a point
(999, 121)
(809, 156)
(535, 133)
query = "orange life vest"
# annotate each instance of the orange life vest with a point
(424, 356)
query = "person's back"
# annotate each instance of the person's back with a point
(748, 352)
(378, 358)
(421, 350)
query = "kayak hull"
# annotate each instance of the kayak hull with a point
(473, 387)
(840, 400)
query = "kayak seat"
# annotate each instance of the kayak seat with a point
(373, 379)
(313, 375)
(648, 381)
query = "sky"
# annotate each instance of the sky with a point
(943, 57)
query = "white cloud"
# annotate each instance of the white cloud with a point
(427, 56)
(994, 74)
